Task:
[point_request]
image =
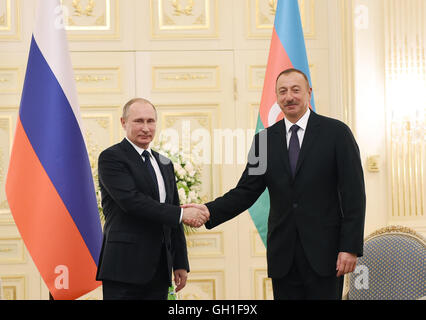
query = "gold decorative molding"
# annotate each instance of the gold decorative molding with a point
(205, 244)
(181, 19)
(183, 9)
(10, 80)
(5, 15)
(206, 290)
(92, 134)
(207, 117)
(373, 163)
(10, 25)
(87, 10)
(6, 137)
(92, 19)
(263, 285)
(396, 230)
(199, 20)
(261, 16)
(12, 251)
(98, 80)
(14, 287)
(203, 285)
(256, 77)
(185, 78)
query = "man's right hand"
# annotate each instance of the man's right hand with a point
(195, 215)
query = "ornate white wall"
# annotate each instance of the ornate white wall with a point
(202, 63)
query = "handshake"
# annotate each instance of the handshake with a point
(195, 215)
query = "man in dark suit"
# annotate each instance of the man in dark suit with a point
(313, 173)
(143, 235)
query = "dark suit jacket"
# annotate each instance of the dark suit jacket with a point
(324, 202)
(137, 224)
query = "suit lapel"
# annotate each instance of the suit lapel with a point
(311, 134)
(136, 158)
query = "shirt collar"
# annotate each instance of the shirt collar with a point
(139, 149)
(302, 123)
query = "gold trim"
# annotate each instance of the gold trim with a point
(258, 26)
(206, 254)
(395, 229)
(212, 281)
(162, 26)
(75, 34)
(6, 26)
(21, 279)
(16, 18)
(260, 274)
(18, 79)
(20, 258)
(156, 88)
(94, 116)
(208, 272)
(90, 78)
(156, 34)
(107, 25)
(251, 68)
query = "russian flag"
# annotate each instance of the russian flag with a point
(49, 184)
(287, 51)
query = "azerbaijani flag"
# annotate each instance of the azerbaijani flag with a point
(287, 51)
(49, 184)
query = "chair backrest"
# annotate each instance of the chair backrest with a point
(392, 267)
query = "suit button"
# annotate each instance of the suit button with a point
(295, 205)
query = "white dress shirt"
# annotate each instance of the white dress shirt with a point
(160, 180)
(302, 123)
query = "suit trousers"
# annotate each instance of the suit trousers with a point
(155, 289)
(303, 283)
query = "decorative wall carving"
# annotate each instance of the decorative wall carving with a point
(205, 244)
(184, 19)
(261, 16)
(14, 287)
(185, 78)
(12, 250)
(185, 123)
(203, 285)
(10, 28)
(98, 80)
(10, 80)
(92, 19)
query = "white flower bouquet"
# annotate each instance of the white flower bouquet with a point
(187, 173)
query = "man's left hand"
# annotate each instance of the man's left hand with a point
(180, 279)
(346, 263)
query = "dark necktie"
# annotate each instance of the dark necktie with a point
(293, 148)
(150, 168)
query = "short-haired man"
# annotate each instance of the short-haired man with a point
(143, 235)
